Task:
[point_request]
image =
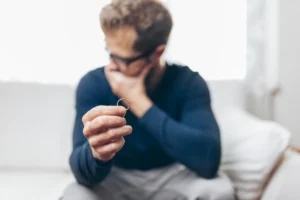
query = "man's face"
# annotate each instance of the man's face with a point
(122, 55)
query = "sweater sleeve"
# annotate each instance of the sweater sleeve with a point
(86, 169)
(194, 139)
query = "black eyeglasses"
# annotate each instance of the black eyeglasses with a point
(128, 61)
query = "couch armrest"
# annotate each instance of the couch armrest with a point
(284, 183)
(277, 165)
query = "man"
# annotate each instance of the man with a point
(172, 148)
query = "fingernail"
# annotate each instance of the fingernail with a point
(124, 121)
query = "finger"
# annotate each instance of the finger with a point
(111, 148)
(109, 135)
(112, 66)
(108, 72)
(101, 123)
(145, 71)
(102, 157)
(106, 157)
(104, 110)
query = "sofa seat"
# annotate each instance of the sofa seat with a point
(33, 184)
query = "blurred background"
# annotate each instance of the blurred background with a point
(47, 46)
(41, 41)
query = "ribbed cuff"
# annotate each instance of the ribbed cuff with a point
(93, 161)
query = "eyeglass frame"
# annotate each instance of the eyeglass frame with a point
(128, 61)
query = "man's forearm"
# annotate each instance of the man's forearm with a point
(86, 169)
(198, 149)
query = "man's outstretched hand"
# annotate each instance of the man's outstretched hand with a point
(105, 128)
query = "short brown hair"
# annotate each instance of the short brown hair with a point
(150, 19)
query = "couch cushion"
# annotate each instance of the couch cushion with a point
(36, 125)
(250, 149)
(37, 121)
(33, 185)
(285, 182)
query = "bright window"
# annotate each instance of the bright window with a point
(59, 41)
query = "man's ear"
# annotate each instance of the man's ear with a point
(159, 51)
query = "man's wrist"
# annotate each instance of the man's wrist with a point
(140, 105)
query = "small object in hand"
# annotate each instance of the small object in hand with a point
(123, 99)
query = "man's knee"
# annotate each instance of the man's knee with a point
(76, 191)
(220, 188)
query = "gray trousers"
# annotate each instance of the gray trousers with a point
(174, 182)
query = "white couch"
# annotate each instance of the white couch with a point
(35, 135)
(35, 140)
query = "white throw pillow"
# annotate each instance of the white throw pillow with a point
(250, 148)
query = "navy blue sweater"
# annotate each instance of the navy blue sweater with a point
(179, 127)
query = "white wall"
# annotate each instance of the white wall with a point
(43, 41)
(287, 103)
